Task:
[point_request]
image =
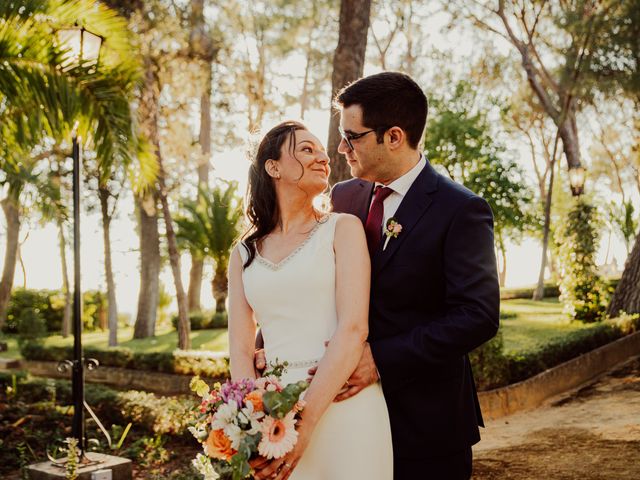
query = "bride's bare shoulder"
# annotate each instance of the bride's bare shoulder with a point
(348, 227)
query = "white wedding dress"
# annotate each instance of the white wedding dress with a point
(294, 303)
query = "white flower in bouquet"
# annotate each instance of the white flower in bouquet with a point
(235, 434)
(203, 466)
(248, 416)
(225, 415)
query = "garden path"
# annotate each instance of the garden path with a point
(592, 433)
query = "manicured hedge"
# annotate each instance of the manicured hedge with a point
(204, 320)
(209, 364)
(153, 413)
(551, 290)
(494, 368)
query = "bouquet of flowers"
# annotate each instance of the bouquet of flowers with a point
(237, 421)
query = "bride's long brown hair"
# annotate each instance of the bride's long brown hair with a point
(262, 208)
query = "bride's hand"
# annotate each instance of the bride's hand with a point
(282, 468)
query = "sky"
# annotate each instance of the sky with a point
(40, 250)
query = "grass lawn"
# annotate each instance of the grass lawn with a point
(525, 324)
(166, 340)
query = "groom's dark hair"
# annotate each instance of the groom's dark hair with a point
(388, 99)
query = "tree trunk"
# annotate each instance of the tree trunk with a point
(148, 296)
(149, 115)
(112, 314)
(348, 65)
(11, 209)
(184, 327)
(195, 275)
(66, 316)
(503, 271)
(626, 297)
(219, 286)
(538, 294)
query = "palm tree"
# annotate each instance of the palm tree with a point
(209, 227)
(42, 94)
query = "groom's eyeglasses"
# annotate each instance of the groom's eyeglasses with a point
(348, 136)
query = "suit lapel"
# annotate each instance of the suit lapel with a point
(413, 206)
(361, 200)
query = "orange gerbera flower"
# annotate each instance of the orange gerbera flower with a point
(218, 445)
(255, 398)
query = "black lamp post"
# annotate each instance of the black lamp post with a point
(84, 50)
(576, 180)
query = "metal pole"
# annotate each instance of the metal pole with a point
(78, 361)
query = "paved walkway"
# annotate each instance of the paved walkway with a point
(591, 434)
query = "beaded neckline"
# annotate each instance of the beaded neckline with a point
(277, 266)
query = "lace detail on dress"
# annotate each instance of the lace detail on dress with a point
(277, 266)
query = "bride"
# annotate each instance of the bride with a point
(303, 276)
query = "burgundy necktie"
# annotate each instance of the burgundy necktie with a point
(373, 227)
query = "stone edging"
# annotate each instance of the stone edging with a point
(534, 391)
(157, 382)
(497, 403)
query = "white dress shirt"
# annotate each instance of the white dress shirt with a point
(400, 187)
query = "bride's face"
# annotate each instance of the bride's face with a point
(304, 165)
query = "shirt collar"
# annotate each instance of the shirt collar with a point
(403, 184)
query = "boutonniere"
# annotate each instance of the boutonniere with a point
(391, 230)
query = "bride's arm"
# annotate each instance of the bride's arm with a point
(352, 304)
(242, 324)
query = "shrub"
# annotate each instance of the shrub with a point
(219, 320)
(46, 303)
(198, 320)
(583, 291)
(493, 367)
(208, 364)
(158, 414)
(205, 363)
(31, 327)
(551, 290)
(204, 320)
(487, 362)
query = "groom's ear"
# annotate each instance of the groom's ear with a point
(396, 136)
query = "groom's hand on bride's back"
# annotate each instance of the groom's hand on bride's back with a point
(260, 360)
(364, 375)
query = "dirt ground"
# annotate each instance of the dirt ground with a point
(591, 434)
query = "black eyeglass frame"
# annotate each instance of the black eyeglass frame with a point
(348, 137)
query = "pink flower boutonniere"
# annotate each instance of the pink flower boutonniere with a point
(391, 230)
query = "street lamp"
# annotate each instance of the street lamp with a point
(84, 48)
(576, 180)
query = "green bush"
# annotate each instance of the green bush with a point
(205, 363)
(31, 327)
(204, 320)
(48, 304)
(198, 321)
(487, 362)
(494, 368)
(583, 292)
(219, 320)
(551, 290)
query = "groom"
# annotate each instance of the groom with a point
(434, 286)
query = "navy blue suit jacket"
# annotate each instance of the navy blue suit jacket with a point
(434, 298)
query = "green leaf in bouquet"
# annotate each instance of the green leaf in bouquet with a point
(278, 404)
(240, 464)
(249, 445)
(276, 369)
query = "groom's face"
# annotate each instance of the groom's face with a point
(366, 156)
